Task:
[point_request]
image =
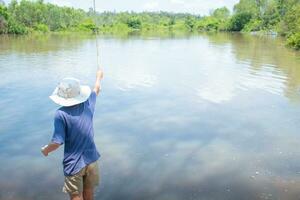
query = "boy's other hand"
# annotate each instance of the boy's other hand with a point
(44, 150)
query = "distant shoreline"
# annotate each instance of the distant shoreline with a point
(28, 17)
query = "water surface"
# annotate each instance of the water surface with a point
(197, 117)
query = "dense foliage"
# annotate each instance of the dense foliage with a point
(272, 16)
(24, 16)
(268, 16)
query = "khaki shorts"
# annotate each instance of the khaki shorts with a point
(87, 177)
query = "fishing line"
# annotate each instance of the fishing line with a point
(96, 32)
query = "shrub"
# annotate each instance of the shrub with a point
(41, 28)
(208, 24)
(189, 23)
(253, 25)
(134, 23)
(294, 40)
(88, 25)
(292, 19)
(16, 28)
(3, 19)
(239, 21)
(8, 24)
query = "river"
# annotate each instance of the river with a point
(211, 116)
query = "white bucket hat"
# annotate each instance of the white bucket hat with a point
(69, 92)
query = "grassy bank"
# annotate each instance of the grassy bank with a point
(264, 16)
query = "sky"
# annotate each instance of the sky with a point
(202, 7)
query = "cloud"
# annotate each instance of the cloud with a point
(177, 1)
(153, 5)
(201, 7)
(62, 2)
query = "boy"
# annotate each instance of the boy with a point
(73, 127)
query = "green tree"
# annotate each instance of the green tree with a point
(208, 24)
(8, 24)
(270, 15)
(3, 19)
(189, 22)
(251, 7)
(134, 22)
(239, 21)
(89, 25)
(221, 13)
(244, 12)
(291, 22)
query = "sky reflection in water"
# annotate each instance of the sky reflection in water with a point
(202, 117)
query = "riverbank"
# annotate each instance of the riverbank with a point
(27, 17)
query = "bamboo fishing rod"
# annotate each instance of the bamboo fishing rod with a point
(96, 32)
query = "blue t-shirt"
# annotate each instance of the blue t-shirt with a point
(73, 126)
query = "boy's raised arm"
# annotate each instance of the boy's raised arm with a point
(99, 76)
